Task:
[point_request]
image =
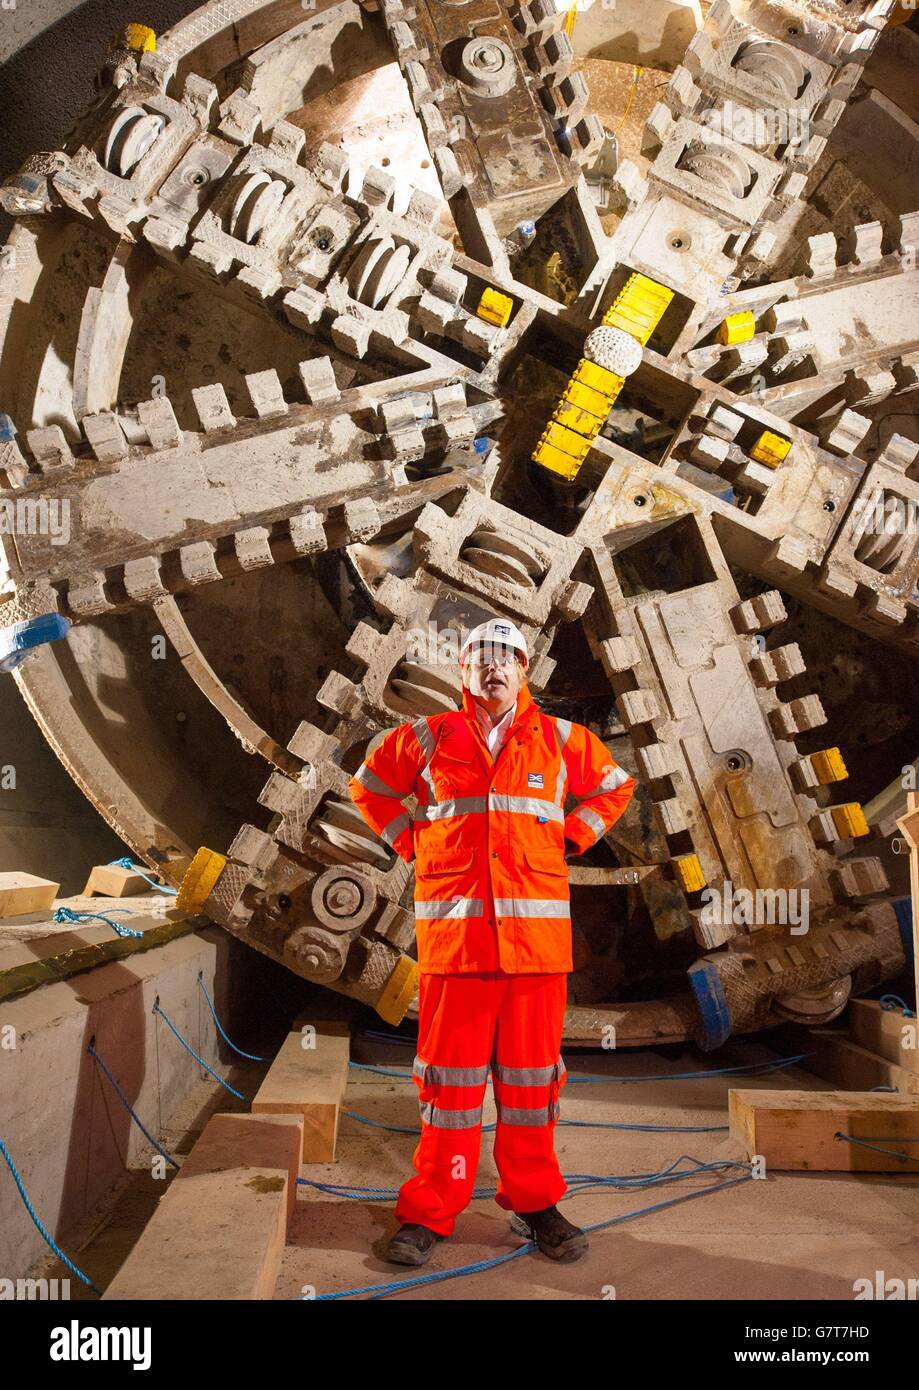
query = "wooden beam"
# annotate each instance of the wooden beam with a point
(910, 828)
(798, 1130)
(220, 1228)
(884, 1032)
(308, 1078)
(836, 1058)
(24, 893)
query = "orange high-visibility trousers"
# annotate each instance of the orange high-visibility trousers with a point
(468, 1025)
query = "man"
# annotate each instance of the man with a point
(488, 840)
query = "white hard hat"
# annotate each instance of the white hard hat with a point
(497, 632)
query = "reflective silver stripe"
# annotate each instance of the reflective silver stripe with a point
(450, 1076)
(524, 1076)
(538, 1115)
(391, 832)
(424, 736)
(450, 1119)
(562, 734)
(592, 820)
(373, 783)
(442, 810)
(613, 779)
(532, 907)
(422, 731)
(459, 907)
(526, 806)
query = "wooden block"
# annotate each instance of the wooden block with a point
(110, 881)
(22, 893)
(835, 1057)
(885, 1032)
(795, 1130)
(220, 1229)
(310, 1082)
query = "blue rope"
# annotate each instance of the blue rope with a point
(887, 1139)
(250, 1055)
(893, 1001)
(41, 1230)
(126, 862)
(127, 1104)
(65, 914)
(579, 1124)
(375, 1291)
(577, 1182)
(748, 1067)
(188, 1048)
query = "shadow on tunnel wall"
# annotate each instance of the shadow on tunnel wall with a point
(48, 81)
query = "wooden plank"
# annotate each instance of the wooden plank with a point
(885, 1032)
(309, 1081)
(910, 827)
(111, 881)
(220, 1229)
(796, 1130)
(24, 893)
(836, 1058)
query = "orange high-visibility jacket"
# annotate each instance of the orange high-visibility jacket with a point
(488, 835)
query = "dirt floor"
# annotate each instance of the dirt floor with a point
(789, 1236)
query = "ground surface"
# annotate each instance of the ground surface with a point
(791, 1236)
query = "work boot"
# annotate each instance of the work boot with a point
(555, 1236)
(411, 1245)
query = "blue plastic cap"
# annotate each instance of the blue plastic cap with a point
(20, 640)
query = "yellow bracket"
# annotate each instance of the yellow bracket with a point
(828, 766)
(849, 820)
(200, 878)
(689, 873)
(140, 37)
(737, 328)
(771, 449)
(639, 307)
(399, 991)
(495, 307)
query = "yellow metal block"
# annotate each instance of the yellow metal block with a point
(569, 441)
(737, 328)
(399, 991)
(572, 417)
(689, 872)
(639, 307)
(495, 308)
(548, 456)
(598, 378)
(200, 878)
(140, 37)
(849, 820)
(828, 765)
(585, 398)
(771, 449)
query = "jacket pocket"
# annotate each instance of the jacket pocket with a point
(440, 865)
(546, 861)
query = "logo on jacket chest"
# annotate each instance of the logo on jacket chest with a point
(535, 779)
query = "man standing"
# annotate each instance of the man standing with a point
(492, 920)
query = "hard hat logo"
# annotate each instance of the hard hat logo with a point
(497, 640)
